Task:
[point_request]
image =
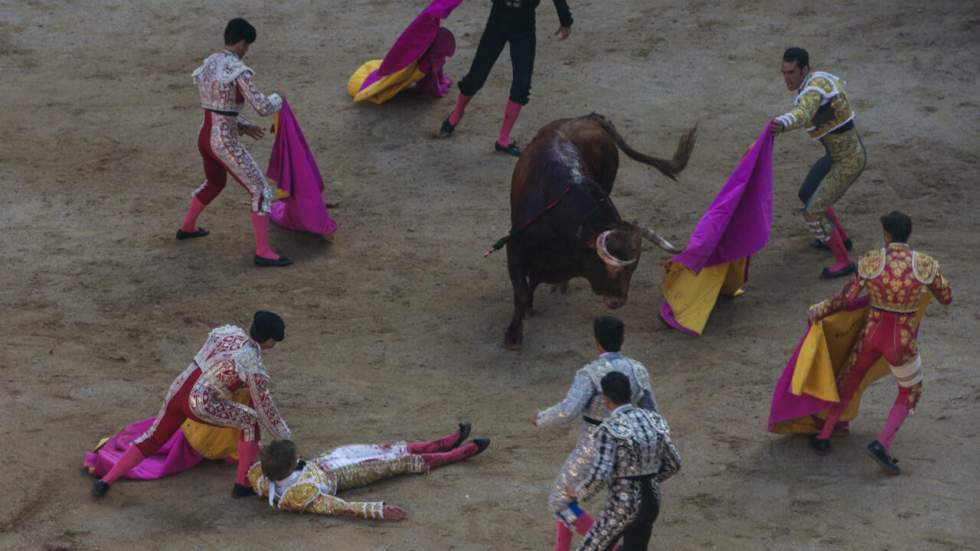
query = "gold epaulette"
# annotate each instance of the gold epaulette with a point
(924, 267)
(258, 482)
(872, 264)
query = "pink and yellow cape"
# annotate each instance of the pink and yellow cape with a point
(807, 387)
(716, 259)
(418, 57)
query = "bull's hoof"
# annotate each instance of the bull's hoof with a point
(513, 341)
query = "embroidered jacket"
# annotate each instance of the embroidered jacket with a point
(584, 397)
(224, 83)
(821, 104)
(632, 442)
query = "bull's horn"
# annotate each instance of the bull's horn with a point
(651, 235)
(606, 256)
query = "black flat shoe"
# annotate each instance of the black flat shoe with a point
(464, 433)
(511, 149)
(272, 262)
(199, 232)
(845, 271)
(887, 463)
(481, 444)
(820, 445)
(446, 130)
(99, 488)
(240, 491)
(821, 246)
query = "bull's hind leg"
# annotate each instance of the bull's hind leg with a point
(532, 286)
(514, 337)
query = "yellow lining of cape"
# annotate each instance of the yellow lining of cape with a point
(692, 296)
(384, 88)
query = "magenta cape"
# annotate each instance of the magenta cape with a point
(175, 456)
(738, 222)
(425, 43)
(294, 170)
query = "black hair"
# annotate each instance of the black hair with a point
(616, 387)
(237, 30)
(278, 459)
(798, 56)
(898, 225)
(609, 333)
(267, 325)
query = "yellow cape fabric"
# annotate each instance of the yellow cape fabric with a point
(692, 296)
(826, 348)
(384, 88)
(215, 442)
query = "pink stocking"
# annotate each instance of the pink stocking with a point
(836, 244)
(895, 419)
(190, 219)
(436, 460)
(511, 113)
(583, 523)
(832, 216)
(441, 445)
(260, 227)
(461, 102)
(130, 459)
(247, 452)
(563, 536)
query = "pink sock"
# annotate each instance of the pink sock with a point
(563, 537)
(441, 445)
(461, 102)
(836, 244)
(895, 419)
(436, 460)
(247, 452)
(260, 227)
(131, 458)
(511, 112)
(190, 219)
(583, 523)
(832, 216)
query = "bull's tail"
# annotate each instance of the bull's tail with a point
(669, 167)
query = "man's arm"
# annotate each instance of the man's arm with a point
(602, 466)
(263, 105)
(940, 288)
(564, 13)
(802, 114)
(572, 406)
(265, 408)
(670, 460)
(847, 296)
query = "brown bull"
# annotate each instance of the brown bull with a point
(563, 222)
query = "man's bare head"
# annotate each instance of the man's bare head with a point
(278, 459)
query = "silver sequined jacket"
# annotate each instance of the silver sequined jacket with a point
(584, 397)
(229, 360)
(224, 83)
(631, 442)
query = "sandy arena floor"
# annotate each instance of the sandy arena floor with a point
(395, 326)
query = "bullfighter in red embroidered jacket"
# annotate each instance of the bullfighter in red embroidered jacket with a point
(896, 278)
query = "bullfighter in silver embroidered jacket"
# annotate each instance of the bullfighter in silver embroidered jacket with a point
(224, 84)
(633, 454)
(584, 400)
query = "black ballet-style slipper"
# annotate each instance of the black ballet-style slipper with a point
(845, 271)
(464, 433)
(199, 232)
(99, 488)
(272, 262)
(887, 463)
(820, 445)
(447, 129)
(510, 149)
(481, 444)
(821, 246)
(240, 491)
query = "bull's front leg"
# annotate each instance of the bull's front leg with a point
(516, 267)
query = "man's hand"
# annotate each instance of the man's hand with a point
(813, 314)
(563, 32)
(254, 132)
(394, 513)
(776, 126)
(570, 492)
(534, 420)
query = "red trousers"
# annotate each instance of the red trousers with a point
(215, 170)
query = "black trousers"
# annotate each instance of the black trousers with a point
(813, 178)
(636, 537)
(505, 26)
